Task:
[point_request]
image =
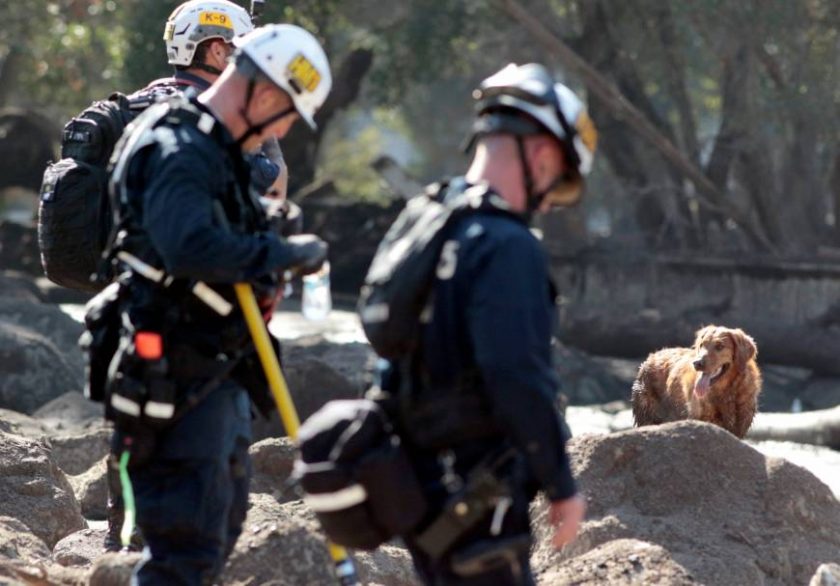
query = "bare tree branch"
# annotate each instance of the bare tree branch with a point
(622, 108)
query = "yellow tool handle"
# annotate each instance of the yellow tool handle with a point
(268, 359)
(288, 414)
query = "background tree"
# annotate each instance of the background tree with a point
(747, 92)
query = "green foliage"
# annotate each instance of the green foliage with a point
(143, 23)
(66, 52)
(348, 152)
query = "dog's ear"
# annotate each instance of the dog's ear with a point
(745, 348)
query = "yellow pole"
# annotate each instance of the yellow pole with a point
(344, 569)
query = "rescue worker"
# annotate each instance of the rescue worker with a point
(199, 41)
(190, 228)
(478, 392)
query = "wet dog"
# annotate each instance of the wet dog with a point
(717, 380)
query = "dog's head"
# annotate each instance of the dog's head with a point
(720, 351)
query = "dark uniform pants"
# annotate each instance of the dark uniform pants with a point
(192, 497)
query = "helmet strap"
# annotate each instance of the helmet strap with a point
(532, 200)
(253, 128)
(208, 68)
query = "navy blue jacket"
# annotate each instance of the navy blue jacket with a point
(264, 171)
(496, 313)
(173, 185)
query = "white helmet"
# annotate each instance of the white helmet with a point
(532, 90)
(198, 20)
(293, 59)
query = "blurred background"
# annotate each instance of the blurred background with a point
(714, 199)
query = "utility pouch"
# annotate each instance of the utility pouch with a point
(356, 476)
(489, 555)
(140, 391)
(100, 340)
(481, 494)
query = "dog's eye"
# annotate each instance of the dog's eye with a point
(718, 346)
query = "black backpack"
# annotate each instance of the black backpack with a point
(74, 214)
(397, 286)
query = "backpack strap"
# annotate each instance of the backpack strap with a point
(177, 110)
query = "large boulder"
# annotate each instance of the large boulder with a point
(725, 512)
(54, 325)
(80, 549)
(17, 542)
(622, 562)
(272, 460)
(113, 569)
(17, 423)
(34, 490)
(34, 370)
(91, 490)
(282, 545)
(587, 380)
(72, 414)
(14, 285)
(318, 371)
(76, 453)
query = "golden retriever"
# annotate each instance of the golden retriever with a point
(717, 380)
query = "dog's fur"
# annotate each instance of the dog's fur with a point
(717, 380)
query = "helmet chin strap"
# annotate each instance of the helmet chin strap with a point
(256, 128)
(208, 68)
(532, 200)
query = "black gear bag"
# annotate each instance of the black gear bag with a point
(74, 214)
(356, 476)
(395, 295)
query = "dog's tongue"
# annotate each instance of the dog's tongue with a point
(701, 387)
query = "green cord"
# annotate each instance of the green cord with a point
(128, 499)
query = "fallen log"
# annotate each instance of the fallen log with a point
(627, 305)
(819, 428)
(634, 336)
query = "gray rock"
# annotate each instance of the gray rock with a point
(17, 423)
(80, 549)
(71, 413)
(91, 490)
(282, 545)
(317, 371)
(622, 562)
(820, 393)
(15, 285)
(34, 370)
(586, 380)
(52, 323)
(726, 513)
(76, 453)
(273, 459)
(34, 490)
(17, 542)
(113, 569)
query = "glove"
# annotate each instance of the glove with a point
(308, 253)
(284, 217)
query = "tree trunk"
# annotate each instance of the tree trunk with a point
(10, 69)
(819, 428)
(622, 108)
